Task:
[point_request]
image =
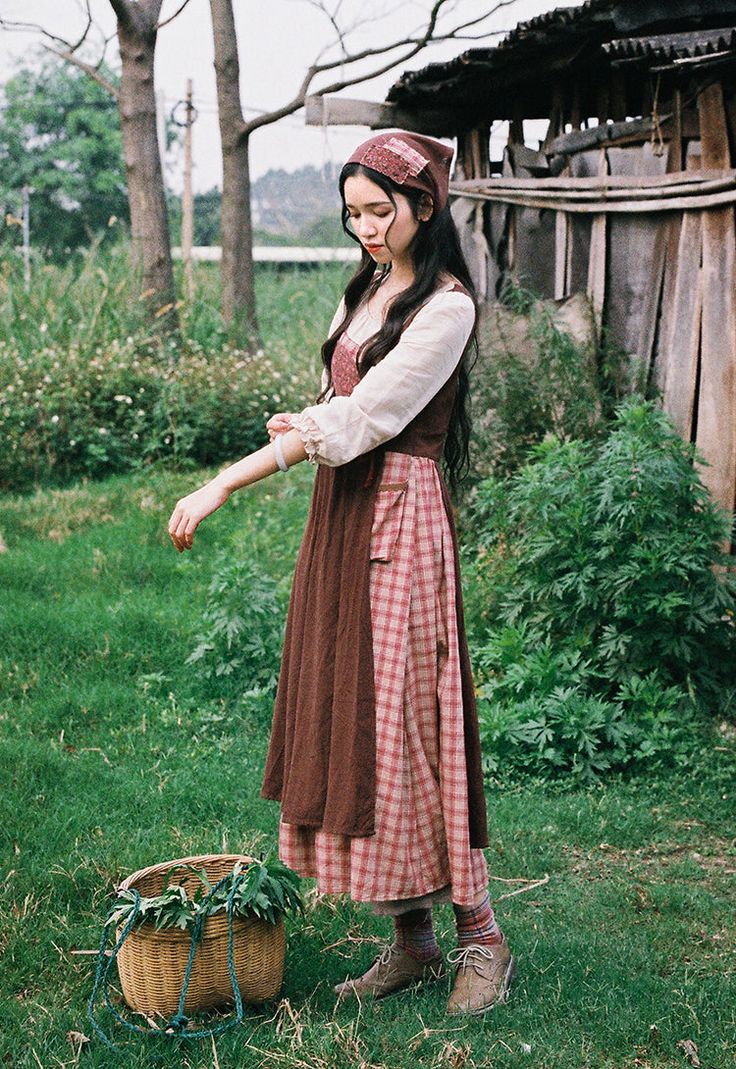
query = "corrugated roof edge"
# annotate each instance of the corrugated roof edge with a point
(559, 17)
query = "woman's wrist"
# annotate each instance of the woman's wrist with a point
(220, 482)
(260, 464)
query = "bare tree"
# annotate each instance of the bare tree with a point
(237, 231)
(137, 29)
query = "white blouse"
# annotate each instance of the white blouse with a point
(396, 389)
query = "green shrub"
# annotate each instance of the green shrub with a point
(540, 370)
(240, 633)
(88, 389)
(120, 408)
(602, 623)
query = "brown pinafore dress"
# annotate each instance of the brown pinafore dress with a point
(374, 750)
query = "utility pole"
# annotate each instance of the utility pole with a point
(187, 200)
(26, 217)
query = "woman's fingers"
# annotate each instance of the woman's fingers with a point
(278, 424)
(177, 526)
(191, 510)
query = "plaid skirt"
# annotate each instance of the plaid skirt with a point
(421, 842)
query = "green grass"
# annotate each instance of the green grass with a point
(115, 755)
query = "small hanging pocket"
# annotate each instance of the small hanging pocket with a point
(388, 513)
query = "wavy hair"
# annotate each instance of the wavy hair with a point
(435, 251)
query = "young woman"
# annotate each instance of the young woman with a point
(374, 751)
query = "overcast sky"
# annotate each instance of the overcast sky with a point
(277, 40)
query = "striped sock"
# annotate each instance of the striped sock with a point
(414, 934)
(477, 924)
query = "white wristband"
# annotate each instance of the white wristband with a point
(279, 451)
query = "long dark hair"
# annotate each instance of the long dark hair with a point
(435, 250)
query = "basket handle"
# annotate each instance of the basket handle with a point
(177, 1025)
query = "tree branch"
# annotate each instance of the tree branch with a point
(25, 27)
(87, 68)
(171, 18)
(412, 44)
(86, 30)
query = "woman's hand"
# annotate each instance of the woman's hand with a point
(192, 509)
(279, 423)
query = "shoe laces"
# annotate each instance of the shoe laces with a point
(388, 952)
(464, 956)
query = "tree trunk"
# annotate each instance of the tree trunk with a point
(148, 215)
(238, 292)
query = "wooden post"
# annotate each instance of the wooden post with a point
(187, 199)
(716, 431)
(597, 262)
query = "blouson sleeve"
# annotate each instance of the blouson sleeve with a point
(395, 390)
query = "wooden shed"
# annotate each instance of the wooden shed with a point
(628, 196)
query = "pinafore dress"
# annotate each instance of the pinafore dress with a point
(374, 751)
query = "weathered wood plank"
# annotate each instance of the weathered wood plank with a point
(561, 202)
(635, 130)
(666, 236)
(668, 301)
(566, 181)
(684, 328)
(596, 288)
(716, 431)
(562, 254)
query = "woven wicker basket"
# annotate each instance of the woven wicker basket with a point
(152, 964)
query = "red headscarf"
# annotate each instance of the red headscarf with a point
(409, 160)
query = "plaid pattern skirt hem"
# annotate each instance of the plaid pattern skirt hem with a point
(421, 843)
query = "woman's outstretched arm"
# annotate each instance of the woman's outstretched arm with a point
(195, 507)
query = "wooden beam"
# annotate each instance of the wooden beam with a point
(637, 130)
(704, 180)
(341, 111)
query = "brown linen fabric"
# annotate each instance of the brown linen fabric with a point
(321, 759)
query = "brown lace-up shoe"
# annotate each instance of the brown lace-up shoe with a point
(392, 971)
(483, 976)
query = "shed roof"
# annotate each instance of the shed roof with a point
(569, 44)
(673, 46)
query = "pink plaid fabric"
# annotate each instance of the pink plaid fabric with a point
(421, 842)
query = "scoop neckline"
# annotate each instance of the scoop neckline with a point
(379, 316)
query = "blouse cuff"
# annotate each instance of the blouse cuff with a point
(311, 435)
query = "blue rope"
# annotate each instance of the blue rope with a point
(176, 1027)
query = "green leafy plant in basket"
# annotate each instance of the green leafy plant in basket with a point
(263, 889)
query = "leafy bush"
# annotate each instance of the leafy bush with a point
(240, 637)
(122, 407)
(603, 623)
(88, 389)
(540, 370)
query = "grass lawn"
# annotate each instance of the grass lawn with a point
(116, 754)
